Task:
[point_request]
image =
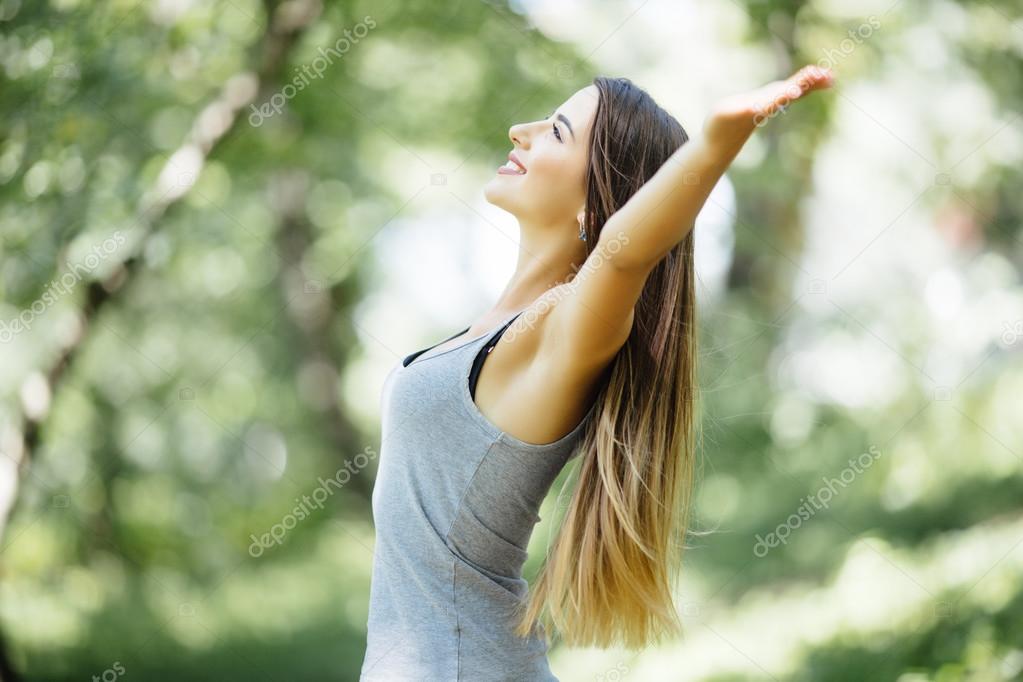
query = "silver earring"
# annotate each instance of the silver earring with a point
(582, 231)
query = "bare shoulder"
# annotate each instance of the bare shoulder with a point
(532, 385)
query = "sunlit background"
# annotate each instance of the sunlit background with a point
(224, 221)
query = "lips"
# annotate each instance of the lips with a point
(513, 167)
(514, 159)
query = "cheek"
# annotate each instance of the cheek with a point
(556, 180)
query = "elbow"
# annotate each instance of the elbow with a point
(617, 248)
(628, 253)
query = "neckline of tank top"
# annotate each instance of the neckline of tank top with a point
(418, 355)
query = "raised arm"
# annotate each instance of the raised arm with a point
(660, 214)
(593, 320)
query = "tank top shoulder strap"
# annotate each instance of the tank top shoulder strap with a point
(412, 356)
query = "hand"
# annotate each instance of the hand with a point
(735, 117)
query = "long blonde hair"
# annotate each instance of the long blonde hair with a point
(609, 574)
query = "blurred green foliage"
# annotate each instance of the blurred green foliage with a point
(195, 385)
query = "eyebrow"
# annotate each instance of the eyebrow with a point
(568, 124)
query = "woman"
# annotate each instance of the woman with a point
(599, 363)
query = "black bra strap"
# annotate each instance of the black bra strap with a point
(481, 356)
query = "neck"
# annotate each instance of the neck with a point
(547, 255)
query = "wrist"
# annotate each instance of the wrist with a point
(726, 130)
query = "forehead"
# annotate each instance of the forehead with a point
(581, 107)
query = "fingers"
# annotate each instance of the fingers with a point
(810, 77)
(807, 79)
(777, 96)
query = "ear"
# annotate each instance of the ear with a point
(581, 215)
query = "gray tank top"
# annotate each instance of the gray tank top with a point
(454, 505)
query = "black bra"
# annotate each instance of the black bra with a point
(477, 363)
(481, 356)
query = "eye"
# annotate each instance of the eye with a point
(557, 133)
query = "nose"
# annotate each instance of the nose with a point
(521, 133)
(518, 134)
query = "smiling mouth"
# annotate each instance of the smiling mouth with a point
(510, 169)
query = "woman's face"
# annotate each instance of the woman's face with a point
(553, 152)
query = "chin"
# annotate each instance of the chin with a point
(495, 196)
